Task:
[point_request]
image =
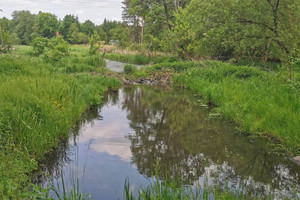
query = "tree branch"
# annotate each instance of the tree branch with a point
(257, 23)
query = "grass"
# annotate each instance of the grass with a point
(139, 59)
(174, 190)
(261, 102)
(39, 103)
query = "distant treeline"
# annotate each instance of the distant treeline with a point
(25, 26)
(264, 30)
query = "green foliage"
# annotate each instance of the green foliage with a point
(23, 22)
(121, 35)
(58, 48)
(7, 39)
(52, 49)
(95, 44)
(39, 45)
(106, 27)
(139, 59)
(226, 29)
(73, 35)
(45, 25)
(129, 69)
(88, 28)
(65, 26)
(83, 38)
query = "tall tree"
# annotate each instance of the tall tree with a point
(23, 22)
(45, 25)
(150, 19)
(73, 36)
(88, 28)
(107, 26)
(261, 29)
(131, 20)
(121, 34)
(7, 38)
(65, 26)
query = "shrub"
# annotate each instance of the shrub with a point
(83, 38)
(129, 69)
(39, 44)
(53, 49)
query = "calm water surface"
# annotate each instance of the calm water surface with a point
(139, 127)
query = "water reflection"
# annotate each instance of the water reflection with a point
(142, 127)
(175, 130)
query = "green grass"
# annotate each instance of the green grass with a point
(39, 103)
(139, 59)
(261, 102)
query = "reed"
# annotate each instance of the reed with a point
(39, 103)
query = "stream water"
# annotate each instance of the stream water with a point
(139, 128)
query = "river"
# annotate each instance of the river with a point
(140, 128)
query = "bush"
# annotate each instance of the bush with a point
(83, 38)
(39, 44)
(129, 69)
(53, 49)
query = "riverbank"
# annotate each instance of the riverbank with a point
(40, 102)
(260, 102)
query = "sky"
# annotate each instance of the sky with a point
(94, 10)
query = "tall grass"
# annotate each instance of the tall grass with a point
(139, 59)
(39, 103)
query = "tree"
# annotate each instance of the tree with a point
(132, 21)
(139, 9)
(73, 36)
(258, 29)
(45, 25)
(83, 38)
(88, 28)
(23, 22)
(102, 34)
(107, 26)
(121, 34)
(66, 24)
(52, 49)
(95, 44)
(6, 39)
(150, 19)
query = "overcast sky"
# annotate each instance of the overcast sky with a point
(94, 10)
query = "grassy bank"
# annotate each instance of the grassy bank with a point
(39, 103)
(261, 102)
(139, 59)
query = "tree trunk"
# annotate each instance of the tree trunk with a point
(142, 32)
